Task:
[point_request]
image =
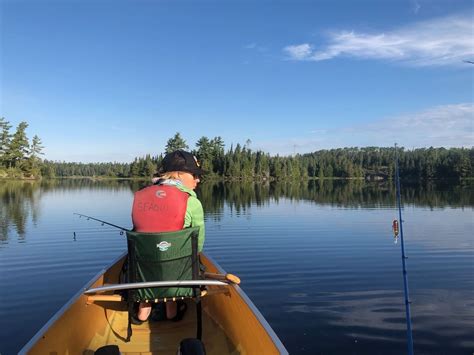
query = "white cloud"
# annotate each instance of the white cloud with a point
(447, 126)
(440, 126)
(441, 41)
(299, 52)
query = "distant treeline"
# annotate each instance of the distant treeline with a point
(20, 158)
(240, 162)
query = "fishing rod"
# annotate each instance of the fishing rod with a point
(405, 277)
(103, 222)
(229, 278)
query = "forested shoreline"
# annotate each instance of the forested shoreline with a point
(240, 162)
(20, 159)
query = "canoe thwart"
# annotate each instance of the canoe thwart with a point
(137, 285)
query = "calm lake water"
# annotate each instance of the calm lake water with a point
(318, 259)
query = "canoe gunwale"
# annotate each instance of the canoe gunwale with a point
(266, 326)
(278, 344)
(27, 347)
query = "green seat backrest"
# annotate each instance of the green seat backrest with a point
(167, 256)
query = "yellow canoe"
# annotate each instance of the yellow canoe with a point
(231, 323)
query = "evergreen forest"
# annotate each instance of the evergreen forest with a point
(20, 158)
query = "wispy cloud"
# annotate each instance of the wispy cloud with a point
(300, 51)
(445, 117)
(256, 47)
(416, 6)
(441, 41)
(440, 126)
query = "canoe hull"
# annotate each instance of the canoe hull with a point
(74, 327)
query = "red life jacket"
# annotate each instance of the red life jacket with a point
(159, 208)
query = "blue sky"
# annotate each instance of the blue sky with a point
(112, 80)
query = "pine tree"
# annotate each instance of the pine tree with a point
(204, 153)
(321, 172)
(32, 165)
(5, 138)
(150, 167)
(18, 149)
(218, 161)
(134, 168)
(175, 143)
(36, 147)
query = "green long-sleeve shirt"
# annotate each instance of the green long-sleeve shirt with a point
(194, 216)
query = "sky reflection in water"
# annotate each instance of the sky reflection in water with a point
(318, 260)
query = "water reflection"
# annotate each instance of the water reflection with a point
(21, 199)
(337, 193)
(317, 257)
(378, 315)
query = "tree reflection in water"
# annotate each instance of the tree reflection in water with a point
(240, 196)
(21, 199)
